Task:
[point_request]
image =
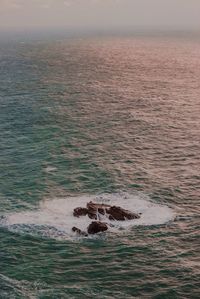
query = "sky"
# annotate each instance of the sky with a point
(100, 14)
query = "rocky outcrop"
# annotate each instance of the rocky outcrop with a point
(95, 211)
(96, 227)
(120, 214)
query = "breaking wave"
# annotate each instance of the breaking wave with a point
(55, 219)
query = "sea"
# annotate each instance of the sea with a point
(112, 119)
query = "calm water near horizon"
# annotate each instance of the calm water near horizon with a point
(115, 120)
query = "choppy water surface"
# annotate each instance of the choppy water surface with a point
(110, 120)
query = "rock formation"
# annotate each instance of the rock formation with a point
(95, 211)
(117, 213)
(80, 212)
(96, 227)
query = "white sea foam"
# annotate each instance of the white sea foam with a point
(50, 169)
(55, 217)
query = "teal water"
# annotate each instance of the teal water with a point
(103, 118)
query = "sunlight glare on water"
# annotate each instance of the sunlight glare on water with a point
(80, 120)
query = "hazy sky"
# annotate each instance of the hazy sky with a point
(101, 14)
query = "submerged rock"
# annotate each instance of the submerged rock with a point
(96, 227)
(79, 231)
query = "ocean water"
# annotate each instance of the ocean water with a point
(113, 120)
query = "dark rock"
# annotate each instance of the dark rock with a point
(113, 212)
(95, 209)
(117, 213)
(80, 212)
(92, 215)
(96, 227)
(79, 232)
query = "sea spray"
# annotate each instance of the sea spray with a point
(55, 219)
